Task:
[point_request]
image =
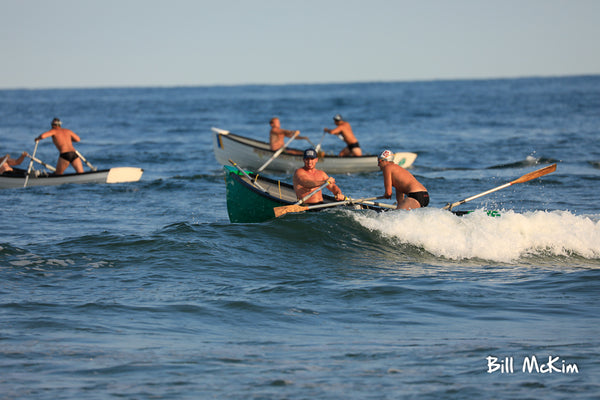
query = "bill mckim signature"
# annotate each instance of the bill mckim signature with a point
(531, 365)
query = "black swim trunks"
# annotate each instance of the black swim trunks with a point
(421, 197)
(70, 156)
(353, 146)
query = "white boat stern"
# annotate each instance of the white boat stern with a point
(404, 159)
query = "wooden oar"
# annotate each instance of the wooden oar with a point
(318, 148)
(308, 140)
(246, 175)
(37, 160)
(278, 152)
(279, 211)
(31, 163)
(286, 209)
(376, 203)
(524, 178)
(86, 161)
(311, 194)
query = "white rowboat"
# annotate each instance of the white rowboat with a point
(252, 154)
(16, 178)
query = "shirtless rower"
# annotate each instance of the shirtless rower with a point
(343, 128)
(63, 140)
(394, 176)
(277, 136)
(6, 163)
(308, 178)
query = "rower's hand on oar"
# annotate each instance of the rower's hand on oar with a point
(339, 196)
(329, 181)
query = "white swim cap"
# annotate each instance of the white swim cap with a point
(386, 155)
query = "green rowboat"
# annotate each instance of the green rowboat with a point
(251, 199)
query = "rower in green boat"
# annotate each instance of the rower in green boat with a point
(308, 179)
(410, 193)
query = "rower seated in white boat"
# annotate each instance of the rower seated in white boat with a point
(6, 163)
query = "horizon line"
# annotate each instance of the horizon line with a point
(315, 83)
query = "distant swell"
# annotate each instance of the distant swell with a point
(528, 162)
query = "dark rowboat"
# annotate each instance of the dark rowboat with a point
(251, 199)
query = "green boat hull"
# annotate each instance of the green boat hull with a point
(244, 203)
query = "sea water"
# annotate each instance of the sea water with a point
(146, 290)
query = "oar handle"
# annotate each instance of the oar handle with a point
(318, 148)
(31, 163)
(246, 175)
(458, 203)
(37, 160)
(309, 141)
(375, 203)
(86, 161)
(278, 152)
(311, 194)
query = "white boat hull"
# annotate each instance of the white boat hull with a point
(252, 154)
(113, 175)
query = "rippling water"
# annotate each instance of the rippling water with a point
(146, 290)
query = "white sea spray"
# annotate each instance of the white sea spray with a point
(476, 235)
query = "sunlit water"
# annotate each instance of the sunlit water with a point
(146, 290)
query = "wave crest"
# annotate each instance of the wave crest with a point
(506, 238)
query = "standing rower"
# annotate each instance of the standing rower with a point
(63, 140)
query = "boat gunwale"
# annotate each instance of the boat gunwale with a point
(264, 146)
(240, 179)
(19, 173)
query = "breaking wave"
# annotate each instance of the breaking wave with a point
(505, 238)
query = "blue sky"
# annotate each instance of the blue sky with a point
(115, 43)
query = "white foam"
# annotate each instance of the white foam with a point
(477, 235)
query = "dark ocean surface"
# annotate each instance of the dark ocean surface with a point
(146, 290)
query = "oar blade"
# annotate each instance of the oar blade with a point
(282, 210)
(535, 174)
(524, 178)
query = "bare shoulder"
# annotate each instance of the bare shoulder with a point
(389, 167)
(322, 174)
(397, 168)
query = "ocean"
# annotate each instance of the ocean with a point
(146, 290)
